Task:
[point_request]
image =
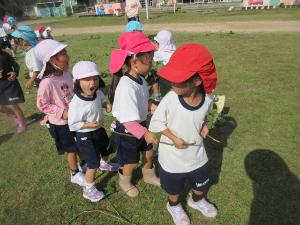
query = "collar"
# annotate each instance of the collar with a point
(189, 107)
(85, 98)
(137, 80)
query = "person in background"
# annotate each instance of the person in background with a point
(132, 10)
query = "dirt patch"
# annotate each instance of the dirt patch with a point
(249, 26)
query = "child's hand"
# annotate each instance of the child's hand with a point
(92, 125)
(29, 84)
(180, 143)
(108, 107)
(11, 76)
(65, 114)
(204, 131)
(150, 138)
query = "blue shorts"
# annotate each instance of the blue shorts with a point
(63, 137)
(91, 145)
(128, 148)
(173, 183)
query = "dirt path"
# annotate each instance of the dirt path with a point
(249, 26)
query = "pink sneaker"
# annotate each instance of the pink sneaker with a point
(92, 194)
(109, 166)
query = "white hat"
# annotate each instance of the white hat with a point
(45, 50)
(84, 69)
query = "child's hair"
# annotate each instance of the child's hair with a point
(50, 69)
(77, 87)
(117, 76)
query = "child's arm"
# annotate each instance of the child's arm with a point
(204, 130)
(44, 104)
(30, 82)
(178, 142)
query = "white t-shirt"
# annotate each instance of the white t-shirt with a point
(32, 63)
(131, 100)
(83, 110)
(185, 122)
(162, 56)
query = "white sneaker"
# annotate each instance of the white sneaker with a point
(206, 208)
(178, 214)
(78, 178)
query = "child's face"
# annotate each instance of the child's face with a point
(61, 60)
(144, 64)
(186, 88)
(89, 85)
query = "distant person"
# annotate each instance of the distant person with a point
(27, 38)
(132, 10)
(11, 93)
(165, 46)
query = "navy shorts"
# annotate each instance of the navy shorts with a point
(64, 138)
(173, 183)
(91, 145)
(128, 148)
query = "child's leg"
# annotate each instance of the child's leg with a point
(72, 160)
(125, 176)
(148, 171)
(18, 112)
(90, 176)
(178, 214)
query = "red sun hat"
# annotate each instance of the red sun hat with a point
(40, 28)
(130, 43)
(188, 60)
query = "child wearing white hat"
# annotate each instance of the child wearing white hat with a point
(86, 119)
(54, 95)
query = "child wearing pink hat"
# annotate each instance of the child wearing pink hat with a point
(129, 95)
(181, 119)
(54, 95)
(85, 117)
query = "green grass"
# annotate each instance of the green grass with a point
(214, 15)
(258, 73)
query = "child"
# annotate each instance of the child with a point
(134, 26)
(86, 118)
(166, 47)
(54, 95)
(132, 10)
(27, 38)
(181, 119)
(129, 95)
(10, 90)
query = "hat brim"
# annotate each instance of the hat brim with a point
(173, 75)
(117, 60)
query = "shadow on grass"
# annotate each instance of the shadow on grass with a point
(5, 137)
(276, 189)
(34, 118)
(222, 131)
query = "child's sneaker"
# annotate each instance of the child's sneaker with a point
(206, 208)
(109, 166)
(78, 178)
(92, 194)
(178, 214)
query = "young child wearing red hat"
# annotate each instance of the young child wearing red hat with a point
(129, 96)
(181, 119)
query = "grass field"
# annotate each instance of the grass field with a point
(255, 173)
(208, 16)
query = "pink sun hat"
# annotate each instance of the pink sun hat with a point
(45, 50)
(130, 43)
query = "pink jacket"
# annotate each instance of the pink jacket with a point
(54, 96)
